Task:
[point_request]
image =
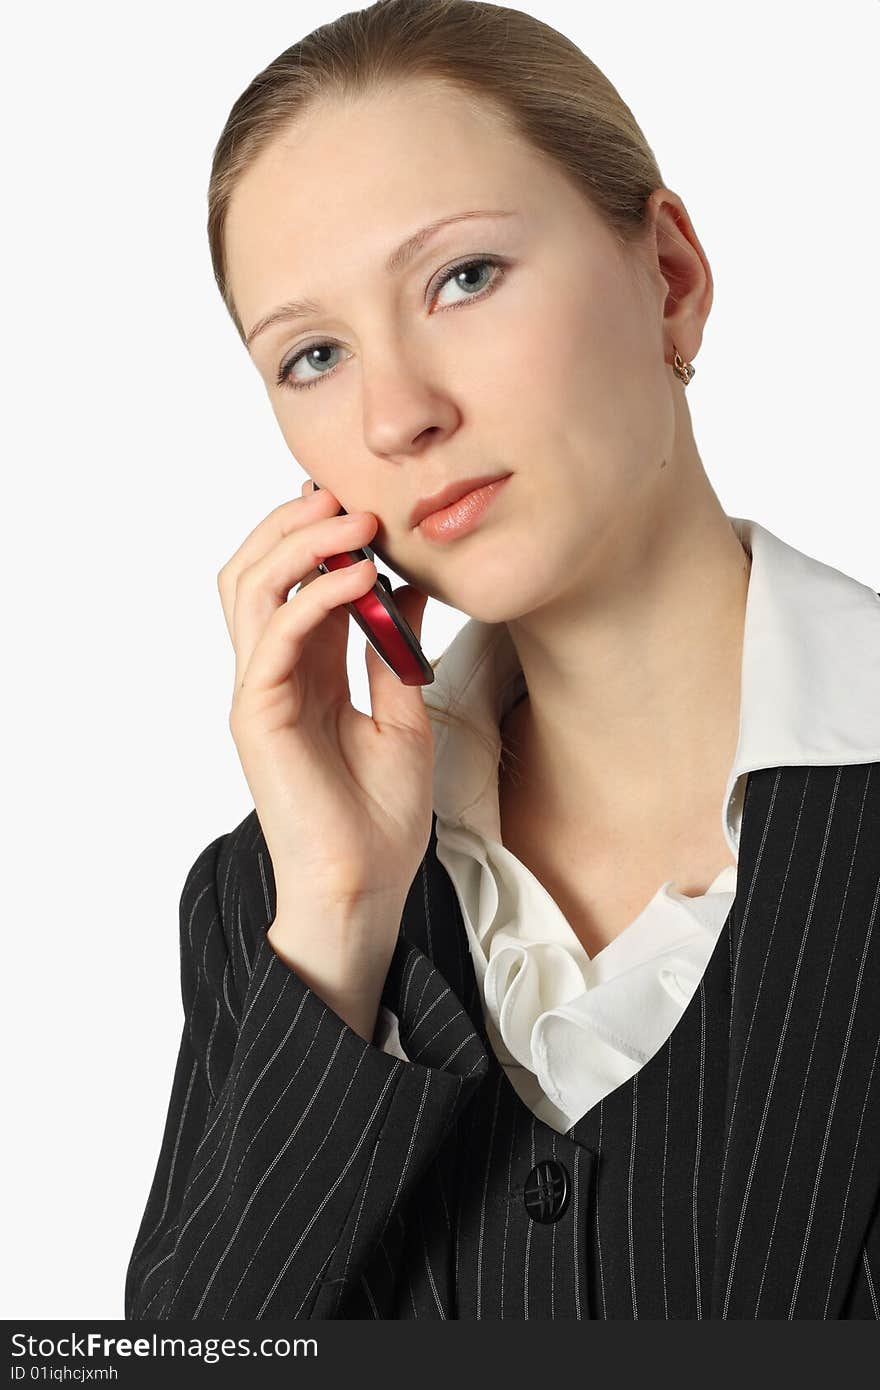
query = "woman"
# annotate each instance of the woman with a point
(512, 1023)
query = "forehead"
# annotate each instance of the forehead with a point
(361, 152)
(352, 176)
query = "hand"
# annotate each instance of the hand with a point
(344, 799)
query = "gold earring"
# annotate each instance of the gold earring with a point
(683, 370)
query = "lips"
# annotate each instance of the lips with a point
(449, 494)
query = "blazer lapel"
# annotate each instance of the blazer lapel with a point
(431, 984)
(800, 1173)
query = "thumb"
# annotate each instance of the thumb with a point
(393, 702)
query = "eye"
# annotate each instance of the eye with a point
(466, 268)
(316, 353)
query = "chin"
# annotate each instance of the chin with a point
(501, 600)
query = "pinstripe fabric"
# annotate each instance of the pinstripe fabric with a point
(305, 1173)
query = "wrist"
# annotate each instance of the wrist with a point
(345, 962)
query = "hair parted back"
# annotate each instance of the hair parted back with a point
(545, 88)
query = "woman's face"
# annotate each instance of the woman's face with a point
(546, 360)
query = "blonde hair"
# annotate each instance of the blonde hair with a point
(541, 85)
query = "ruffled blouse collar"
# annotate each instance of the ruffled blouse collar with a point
(569, 1028)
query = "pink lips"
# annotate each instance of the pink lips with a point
(449, 494)
(461, 515)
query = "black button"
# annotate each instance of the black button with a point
(547, 1190)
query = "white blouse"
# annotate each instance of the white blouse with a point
(568, 1028)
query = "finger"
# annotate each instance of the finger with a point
(282, 643)
(307, 488)
(287, 517)
(266, 585)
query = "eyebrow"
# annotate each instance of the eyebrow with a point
(397, 261)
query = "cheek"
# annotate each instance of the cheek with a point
(611, 375)
(566, 359)
(307, 433)
(324, 447)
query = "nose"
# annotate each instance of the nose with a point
(405, 410)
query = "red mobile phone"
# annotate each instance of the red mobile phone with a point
(379, 618)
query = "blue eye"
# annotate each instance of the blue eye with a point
(313, 350)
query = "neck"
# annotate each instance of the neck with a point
(633, 675)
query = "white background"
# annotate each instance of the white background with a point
(141, 449)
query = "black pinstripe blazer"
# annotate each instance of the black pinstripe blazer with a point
(305, 1173)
